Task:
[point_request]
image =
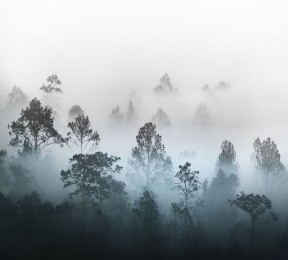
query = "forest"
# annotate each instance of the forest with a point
(72, 187)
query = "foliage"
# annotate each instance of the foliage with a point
(90, 175)
(116, 116)
(267, 160)
(74, 112)
(165, 87)
(188, 184)
(17, 97)
(131, 114)
(35, 128)
(82, 133)
(161, 119)
(148, 159)
(202, 116)
(52, 83)
(227, 158)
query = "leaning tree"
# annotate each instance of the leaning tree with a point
(35, 129)
(149, 163)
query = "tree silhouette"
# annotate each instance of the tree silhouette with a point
(148, 158)
(17, 97)
(116, 117)
(74, 112)
(52, 83)
(227, 158)
(161, 119)
(188, 184)
(165, 87)
(131, 114)
(202, 116)
(90, 174)
(267, 160)
(254, 205)
(82, 133)
(35, 128)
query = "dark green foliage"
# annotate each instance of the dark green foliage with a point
(82, 133)
(35, 128)
(90, 176)
(148, 160)
(52, 83)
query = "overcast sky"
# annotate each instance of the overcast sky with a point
(130, 44)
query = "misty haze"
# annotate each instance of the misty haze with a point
(143, 129)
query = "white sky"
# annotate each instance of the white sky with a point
(130, 44)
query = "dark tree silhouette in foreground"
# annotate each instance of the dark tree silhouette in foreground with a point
(165, 87)
(90, 174)
(267, 160)
(35, 128)
(188, 185)
(82, 133)
(254, 205)
(52, 83)
(148, 159)
(146, 209)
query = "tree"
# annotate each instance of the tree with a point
(35, 128)
(131, 114)
(4, 178)
(188, 184)
(161, 119)
(90, 174)
(148, 158)
(227, 158)
(202, 116)
(267, 160)
(52, 83)
(222, 85)
(254, 205)
(17, 97)
(74, 112)
(146, 209)
(116, 117)
(82, 133)
(165, 87)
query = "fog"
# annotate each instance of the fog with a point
(108, 53)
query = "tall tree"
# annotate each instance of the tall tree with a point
(74, 112)
(35, 128)
(90, 174)
(227, 158)
(116, 116)
(161, 118)
(267, 160)
(148, 159)
(52, 85)
(254, 205)
(202, 116)
(131, 114)
(82, 133)
(4, 178)
(17, 97)
(165, 87)
(188, 185)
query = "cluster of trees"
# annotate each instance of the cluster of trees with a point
(99, 211)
